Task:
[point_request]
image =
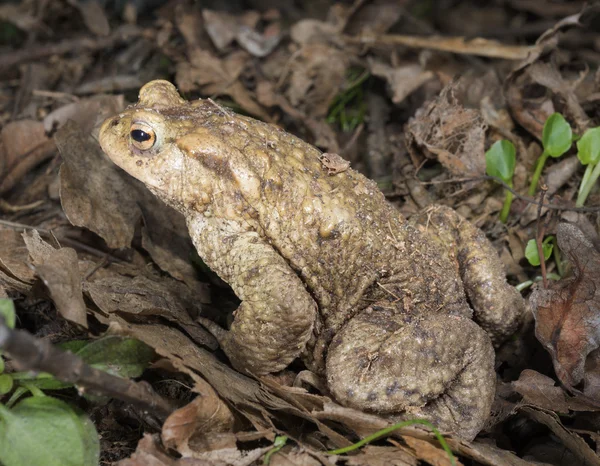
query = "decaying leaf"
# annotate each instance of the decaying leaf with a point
(453, 134)
(568, 313)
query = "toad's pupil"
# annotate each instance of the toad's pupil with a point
(140, 135)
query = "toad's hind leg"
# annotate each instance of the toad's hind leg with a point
(498, 307)
(439, 368)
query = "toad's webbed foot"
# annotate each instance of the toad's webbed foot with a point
(498, 307)
(439, 368)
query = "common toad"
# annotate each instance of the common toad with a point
(325, 268)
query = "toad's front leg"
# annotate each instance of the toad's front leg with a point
(277, 314)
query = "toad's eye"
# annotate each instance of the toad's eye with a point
(142, 136)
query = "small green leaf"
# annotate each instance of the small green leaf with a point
(500, 160)
(125, 357)
(557, 135)
(7, 310)
(588, 147)
(6, 384)
(531, 251)
(44, 430)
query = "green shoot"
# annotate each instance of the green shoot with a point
(500, 162)
(389, 430)
(278, 444)
(557, 138)
(349, 107)
(526, 284)
(588, 153)
(531, 250)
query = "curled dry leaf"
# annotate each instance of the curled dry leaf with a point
(567, 314)
(206, 414)
(59, 270)
(453, 134)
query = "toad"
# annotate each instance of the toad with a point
(400, 317)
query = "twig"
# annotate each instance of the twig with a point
(460, 45)
(29, 353)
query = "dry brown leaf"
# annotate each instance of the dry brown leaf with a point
(374, 17)
(312, 31)
(149, 452)
(59, 270)
(426, 451)
(323, 134)
(23, 145)
(571, 440)
(216, 76)
(317, 74)
(540, 390)
(88, 113)
(294, 457)
(220, 26)
(21, 15)
(166, 239)
(188, 429)
(403, 80)
(14, 256)
(383, 456)
(142, 297)
(567, 314)
(93, 16)
(453, 134)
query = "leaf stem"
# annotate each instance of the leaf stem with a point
(506, 207)
(592, 172)
(539, 166)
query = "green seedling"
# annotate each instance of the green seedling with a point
(549, 246)
(7, 311)
(557, 138)
(588, 153)
(500, 160)
(531, 250)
